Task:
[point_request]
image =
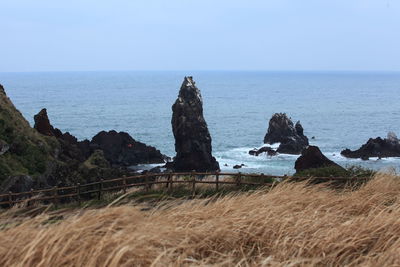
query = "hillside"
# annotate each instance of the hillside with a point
(292, 224)
(24, 150)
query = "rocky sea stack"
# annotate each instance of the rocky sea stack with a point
(282, 130)
(192, 138)
(378, 147)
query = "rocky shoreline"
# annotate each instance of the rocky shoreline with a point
(43, 156)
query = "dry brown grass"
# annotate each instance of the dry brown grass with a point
(292, 225)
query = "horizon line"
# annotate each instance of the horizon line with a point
(210, 70)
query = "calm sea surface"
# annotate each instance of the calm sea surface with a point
(342, 110)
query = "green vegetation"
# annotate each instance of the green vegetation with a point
(29, 151)
(97, 159)
(349, 171)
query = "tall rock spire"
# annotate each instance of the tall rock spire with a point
(192, 138)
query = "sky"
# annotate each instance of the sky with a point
(276, 35)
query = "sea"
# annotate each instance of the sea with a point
(340, 109)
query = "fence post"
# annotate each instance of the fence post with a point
(170, 179)
(100, 189)
(124, 184)
(217, 181)
(285, 177)
(193, 178)
(10, 202)
(78, 193)
(55, 195)
(30, 201)
(238, 179)
(146, 180)
(262, 179)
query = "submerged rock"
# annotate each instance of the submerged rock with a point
(282, 130)
(122, 150)
(239, 166)
(376, 147)
(192, 138)
(312, 158)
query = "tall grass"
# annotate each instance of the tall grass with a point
(291, 225)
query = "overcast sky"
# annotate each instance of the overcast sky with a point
(58, 35)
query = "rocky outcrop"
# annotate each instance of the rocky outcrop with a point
(122, 150)
(312, 158)
(43, 126)
(192, 138)
(376, 147)
(282, 130)
(71, 148)
(265, 149)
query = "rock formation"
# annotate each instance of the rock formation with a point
(265, 149)
(70, 148)
(282, 130)
(192, 138)
(122, 150)
(43, 126)
(312, 158)
(378, 147)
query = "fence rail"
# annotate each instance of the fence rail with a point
(55, 194)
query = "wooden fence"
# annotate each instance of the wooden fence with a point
(96, 189)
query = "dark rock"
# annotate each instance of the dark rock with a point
(16, 184)
(121, 149)
(292, 145)
(378, 147)
(282, 130)
(266, 149)
(155, 170)
(281, 127)
(192, 138)
(312, 158)
(364, 157)
(239, 166)
(70, 148)
(169, 165)
(43, 126)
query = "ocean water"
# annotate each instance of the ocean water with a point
(341, 109)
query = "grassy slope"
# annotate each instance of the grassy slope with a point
(31, 150)
(291, 225)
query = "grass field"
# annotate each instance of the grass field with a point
(289, 225)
